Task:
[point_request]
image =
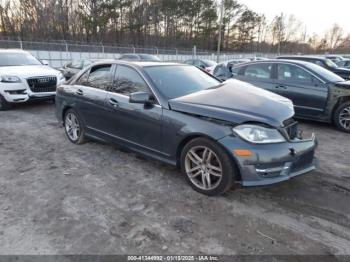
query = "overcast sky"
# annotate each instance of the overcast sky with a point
(317, 15)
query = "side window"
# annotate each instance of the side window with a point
(199, 63)
(83, 79)
(318, 62)
(341, 63)
(260, 71)
(235, 70)
(100, 77)
(219, 70)
(127, 81)
(293, 74)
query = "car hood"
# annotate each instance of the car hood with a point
(342, 70)
(236, 102)
(343, 84)
(28, 71)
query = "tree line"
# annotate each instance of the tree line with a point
(164, 23)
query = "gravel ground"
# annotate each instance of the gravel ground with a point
(59, 198)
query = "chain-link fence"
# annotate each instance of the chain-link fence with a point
(59, 53)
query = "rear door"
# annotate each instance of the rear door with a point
(90, 90)
(259, 74)
(308, 93)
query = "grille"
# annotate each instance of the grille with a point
(303, 161)
(291, 128)
(42, 84)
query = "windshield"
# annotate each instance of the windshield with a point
(180, 80)
(150, 58)
(328, 75)
(330, 63)
(17, 59)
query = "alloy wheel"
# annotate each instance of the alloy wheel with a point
(72, 126)
(344, 118)
(203, 168)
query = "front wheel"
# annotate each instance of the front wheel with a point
(74, 127)
(342, 117)
(207, 167)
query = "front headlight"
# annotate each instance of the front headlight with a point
(10, 79)
(259, 134)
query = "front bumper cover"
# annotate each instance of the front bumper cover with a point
(272, 163)
(20, 92)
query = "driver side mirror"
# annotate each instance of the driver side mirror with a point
(140, 98)
(45, 62)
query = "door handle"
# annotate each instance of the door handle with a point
(113, 102)
(281, 86)
(79, 92)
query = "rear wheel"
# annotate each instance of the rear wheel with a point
(207, 167)
(3, 103)
(74, 127)
(342, 117)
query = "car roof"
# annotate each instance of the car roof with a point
(302, 56)
(297, 62)
(136, 63)
(137, 54)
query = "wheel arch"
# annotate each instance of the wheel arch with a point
(64, 111)
(191, 137)
(341, 100)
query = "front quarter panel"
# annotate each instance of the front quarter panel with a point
(337, 93)
(64, 99)
(178, 127)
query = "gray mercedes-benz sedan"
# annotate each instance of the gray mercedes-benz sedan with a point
(218, 134)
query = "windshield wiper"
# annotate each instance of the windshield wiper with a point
(215, 87)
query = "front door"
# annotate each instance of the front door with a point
(137, 125)
(308, 93)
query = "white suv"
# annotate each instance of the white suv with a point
(23, 78)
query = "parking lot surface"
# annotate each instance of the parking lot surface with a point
(59, 198)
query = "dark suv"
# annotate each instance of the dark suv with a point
(322, 61)
(317, 93)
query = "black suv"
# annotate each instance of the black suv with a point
(317, 93)
(322, 61)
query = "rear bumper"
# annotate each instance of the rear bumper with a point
(272, 163)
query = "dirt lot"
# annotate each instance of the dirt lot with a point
(58, 198)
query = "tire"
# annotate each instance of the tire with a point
(4, 105)
(74, 127)
(196, 171)
(341, 117)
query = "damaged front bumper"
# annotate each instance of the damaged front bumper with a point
(272, 163)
